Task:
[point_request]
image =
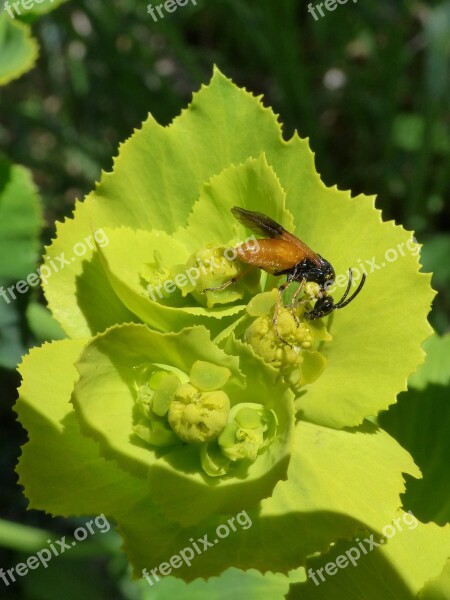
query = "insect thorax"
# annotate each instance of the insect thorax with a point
(310, 271)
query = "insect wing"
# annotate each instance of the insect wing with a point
(264, 225)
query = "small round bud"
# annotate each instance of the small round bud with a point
(198, 417)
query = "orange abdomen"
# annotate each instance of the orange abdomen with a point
(271, 255)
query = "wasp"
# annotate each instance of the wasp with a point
(282, 253)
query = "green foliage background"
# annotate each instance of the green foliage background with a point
(369, 84)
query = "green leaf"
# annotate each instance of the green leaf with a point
(83, 280)
(75, 480)
(420, 421)
(408, 131)
(434, 257)
(41, 7)
(74, 579)
(29, 540)
(250, 585)
(252, 185)
(22, 537)
(12, 345)
(436, 368)
(439, 587)
(328, 494)
(18, 49)
(409, 556)
(365, 372)
(42, 324)
(20, 223)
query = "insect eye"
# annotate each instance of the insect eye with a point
(327, 304)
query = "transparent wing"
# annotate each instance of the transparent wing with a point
(264, 225)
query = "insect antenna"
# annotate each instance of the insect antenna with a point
(349, 285)
(344, 300)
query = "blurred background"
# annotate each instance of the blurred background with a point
(368, 83)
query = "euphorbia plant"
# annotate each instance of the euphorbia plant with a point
(169, 411)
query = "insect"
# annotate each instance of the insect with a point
(282, 253)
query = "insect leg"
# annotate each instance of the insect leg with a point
(229, 282)
(293, 305)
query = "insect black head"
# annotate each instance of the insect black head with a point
(325, 305)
